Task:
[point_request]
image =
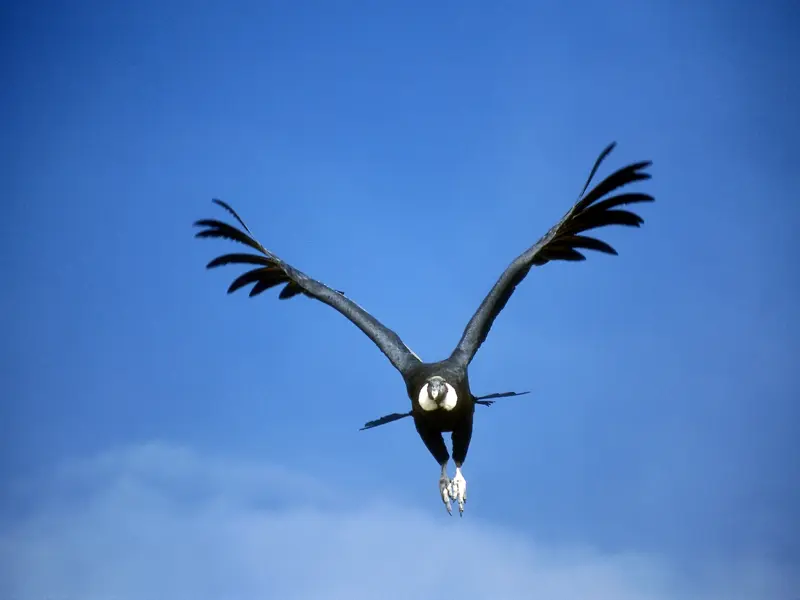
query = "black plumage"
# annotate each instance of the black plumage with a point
(440, 394)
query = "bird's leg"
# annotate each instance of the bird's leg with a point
(435, 443)
(458, 490)
(458, 486)
(444, 489)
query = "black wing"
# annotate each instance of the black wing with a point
(271, 271)
(560, 243)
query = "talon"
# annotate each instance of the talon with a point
(458, 491)
(444, 489)
(444, 484)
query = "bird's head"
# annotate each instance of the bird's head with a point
(437, 389)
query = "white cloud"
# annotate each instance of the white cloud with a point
(159, 522)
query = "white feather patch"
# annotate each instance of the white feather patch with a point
(451, 399)
(425, 401)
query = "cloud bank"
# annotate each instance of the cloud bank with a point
(157, 521)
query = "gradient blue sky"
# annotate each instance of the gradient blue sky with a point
(664, 403)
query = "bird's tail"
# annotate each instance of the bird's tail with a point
(484, 400)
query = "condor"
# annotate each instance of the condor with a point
(440, 394)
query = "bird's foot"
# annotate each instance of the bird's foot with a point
(444, 489)
(458, 491)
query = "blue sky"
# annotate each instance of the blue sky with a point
(664, 380)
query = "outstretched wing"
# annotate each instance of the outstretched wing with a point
(271, 271)
(562, 242)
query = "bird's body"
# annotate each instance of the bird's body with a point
(450, 406)
(451, 413)
(439, 392)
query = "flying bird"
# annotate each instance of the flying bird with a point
(440, 394)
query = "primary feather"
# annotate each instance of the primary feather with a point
(272, 272)
(564, 241)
